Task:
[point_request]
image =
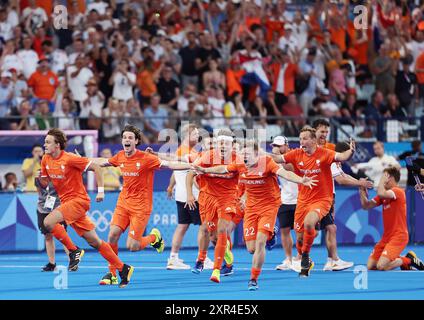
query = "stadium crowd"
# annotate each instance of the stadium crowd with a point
(237, 63)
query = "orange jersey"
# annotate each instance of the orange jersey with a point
(218, 185)
(330, 146)
(262, 188)
(138, 173)
(65, 172)
(192, 157)
(241, 188)
(318, 164)
(394, 214)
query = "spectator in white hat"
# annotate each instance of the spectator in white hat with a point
(287, 42)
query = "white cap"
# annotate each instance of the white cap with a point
(236, 1)
(161, 32)
(6, 74)
(325, 91)
(280, 141)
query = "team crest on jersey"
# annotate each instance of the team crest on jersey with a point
(260, 174)
(122, 165)
(62, 167)
(318, 162)
(301, 163)
(47, 167)
(137, 165)
(243, 175)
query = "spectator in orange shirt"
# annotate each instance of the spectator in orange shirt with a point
(234, 74)
(146, 80)
(44, 83)
(284, 72)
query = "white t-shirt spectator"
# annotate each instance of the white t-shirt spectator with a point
(180, 185)
(12, 61)
(59, 59)
(289, 191)
(158, 50)
(374, 168)
(38, 18)
(217, 111)
(13, 18)
(77, 84)
(122, 89)
(182, 105)
(100, 7)
(113, 129)
(329, 106)
(29, 60)
(6, 30)
(93, 107)
(73, 57)
(291, 43)
(300, 32)
(416, 48)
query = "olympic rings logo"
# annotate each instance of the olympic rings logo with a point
(101, 219)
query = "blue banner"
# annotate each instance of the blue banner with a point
(355, 225)
(19, 230)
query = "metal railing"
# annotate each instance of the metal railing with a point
(362, 129)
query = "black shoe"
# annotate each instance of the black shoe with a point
(125, 275)
(306, 265)
(49, 267)
(415, 261)
(75, 258)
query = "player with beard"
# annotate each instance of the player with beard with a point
(312, 205)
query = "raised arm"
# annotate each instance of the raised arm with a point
(348, 180)
(278, 158)
(175, 165)
(291, 176)
(381, 191)
(216, 170)
(99, 178)
(344, 156)
(365, 203)
(102, 162)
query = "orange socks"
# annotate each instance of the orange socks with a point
(114, 247)
(107, 253)
(60, 234)
(220, 250)
(201, 256)
(254, 273)
(406, 262)
(308, 240)
(145, 241)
